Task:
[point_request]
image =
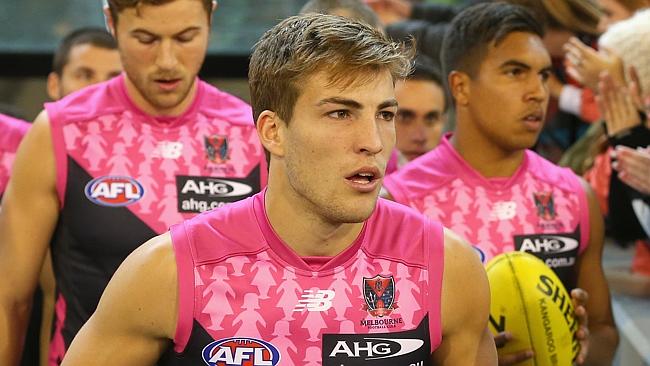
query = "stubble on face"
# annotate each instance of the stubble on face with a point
(508, 88)
(322, 151)
(161, 62)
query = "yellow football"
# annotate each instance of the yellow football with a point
(529, 301)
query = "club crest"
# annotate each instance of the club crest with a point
(379, 294)
(545, 205)
(216, 148)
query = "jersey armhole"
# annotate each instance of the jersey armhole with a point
(60, 156)
(185, 268)
(434, 241)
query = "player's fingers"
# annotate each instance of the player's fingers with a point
(502, 338)
(580, 296)
(584, 350)
(515, 358)
(581, 315)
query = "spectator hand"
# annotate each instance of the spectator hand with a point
(391, 11)
(617, 106)
(641, 101)
(585, 64)
(633, 167)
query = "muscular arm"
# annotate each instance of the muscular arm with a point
(29, 213)
(466, 339)
(136, 316)
(603, 337)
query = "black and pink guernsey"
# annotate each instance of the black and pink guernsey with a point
(124, 176)
(246, 298)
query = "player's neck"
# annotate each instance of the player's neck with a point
(298, 224)
(141, 102)
(490, 160)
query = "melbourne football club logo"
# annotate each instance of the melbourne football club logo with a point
(216, 148)
(379, 294)
(545, 205)
(241, 351)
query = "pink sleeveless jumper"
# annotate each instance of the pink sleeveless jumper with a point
(124, 176)
(246, 298)
(541, 208)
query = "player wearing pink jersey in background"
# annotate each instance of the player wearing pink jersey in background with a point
(484, 183)
(117, 163)
(12, 131)
(313, 271)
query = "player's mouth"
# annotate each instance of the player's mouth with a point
(168, 84)
(534, 121)
(365, 180)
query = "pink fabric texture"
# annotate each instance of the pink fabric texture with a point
(539, 198)
(12, 131)
(248, 282)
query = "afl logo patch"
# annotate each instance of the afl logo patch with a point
(241, 351)
(114, 191)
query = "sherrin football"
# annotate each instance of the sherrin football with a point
(529, 301)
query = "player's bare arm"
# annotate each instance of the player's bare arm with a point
(466, 339)
(29, 213)
(602, 335)
(136, 316)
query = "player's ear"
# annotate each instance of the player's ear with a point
(271, 131)
(54, 86)
(459, 84)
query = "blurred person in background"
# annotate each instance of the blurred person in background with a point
(421, 112)
(84, 57)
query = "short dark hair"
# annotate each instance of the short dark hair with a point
(97, 37)
(116, 6)
(425, 69)
(302, 45)
(358, 10)
(477, 27)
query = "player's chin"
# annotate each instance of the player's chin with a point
(524, 141)
(358, 210)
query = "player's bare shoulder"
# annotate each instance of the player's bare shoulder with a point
(465, 286)
(145, 287)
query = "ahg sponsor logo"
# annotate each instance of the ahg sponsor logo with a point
(241, 351)
(198, 194)
(114, 191)
(411, 347)
(376, 348)
(559, 251)
(215, 187)
(548, 244)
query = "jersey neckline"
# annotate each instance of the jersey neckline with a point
(471, 175)
(286, 253)
(160, 121)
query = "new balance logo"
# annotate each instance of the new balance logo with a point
(319, 300)
(168, 150)
(503, 210)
